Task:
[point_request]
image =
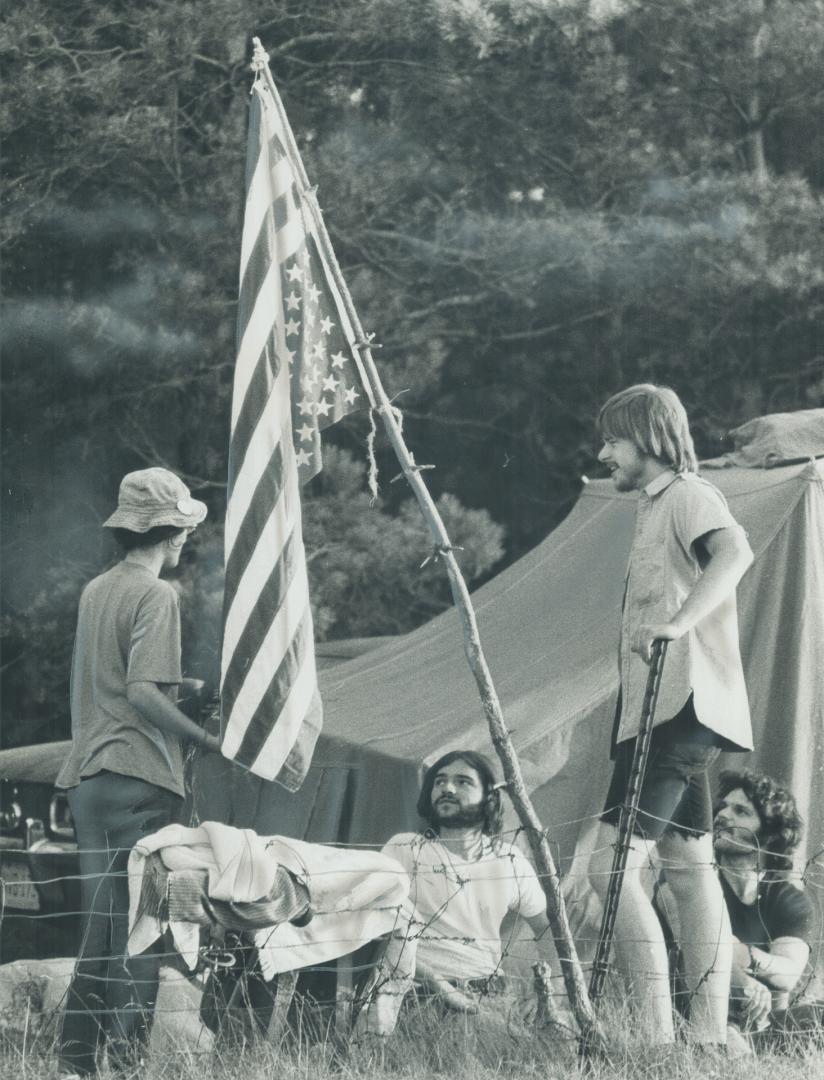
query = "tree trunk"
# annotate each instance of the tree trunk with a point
(755, 136)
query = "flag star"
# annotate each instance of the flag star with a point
(326, 325)
(305, 407)
(306, 433)
(323, 406)
(303, 458)
(294, 272)
(318, 351)
(292, 328)
(290, 356)
(350, 395)
(292, 301)
(308, 317)
(307, 381)
(338, 360)
(313, 292)
(330, 383)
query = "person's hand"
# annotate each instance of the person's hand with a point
(211, 743)
(527, 1010)
(648, 633)
(454, 998)
(755, 1002)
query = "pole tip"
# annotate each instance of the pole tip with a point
(260, 58)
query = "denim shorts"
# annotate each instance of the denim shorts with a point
(675, 793)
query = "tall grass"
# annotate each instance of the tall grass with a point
(421, 1050)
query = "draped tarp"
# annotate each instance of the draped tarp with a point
(549, 626)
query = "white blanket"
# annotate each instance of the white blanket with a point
(355, 894)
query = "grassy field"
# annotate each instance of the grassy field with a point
(418, 1054)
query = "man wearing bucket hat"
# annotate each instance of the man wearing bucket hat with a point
(124, 772)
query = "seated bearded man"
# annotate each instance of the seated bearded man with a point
(465, 879)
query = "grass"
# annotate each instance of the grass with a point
(426, 1049)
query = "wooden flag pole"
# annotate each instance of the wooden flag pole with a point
(556, 911)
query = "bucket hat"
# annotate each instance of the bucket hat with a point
(152, 497)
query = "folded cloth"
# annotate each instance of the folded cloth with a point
(356, 897)
(180, 900)
(355, 893)
(777, 439)
(235, 861)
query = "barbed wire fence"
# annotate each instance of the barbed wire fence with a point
(371, 976)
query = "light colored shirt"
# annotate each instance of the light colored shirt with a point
(128, 630)
(459, 905)
(675, 511)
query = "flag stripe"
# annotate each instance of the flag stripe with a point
(267, 180)
(293, 716)
(293, 608)
(277, 693)
(240, 596)
(255, 338)
(281, 210)
(248, 420)
(263, 503)
(255, 466)
(260, 617)
(259, 256)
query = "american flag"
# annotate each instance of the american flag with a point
(296, 373)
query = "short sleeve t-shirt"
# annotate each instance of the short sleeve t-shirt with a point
(459, 905)
(674, 512)
(781, 909)
(128, 630)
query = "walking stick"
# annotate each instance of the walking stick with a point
(626, 822)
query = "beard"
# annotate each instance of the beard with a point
(459, 817)
(735, 840)
(628, 477)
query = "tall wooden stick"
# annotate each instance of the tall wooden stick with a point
(556, 912)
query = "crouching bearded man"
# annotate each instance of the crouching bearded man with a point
(465, 879)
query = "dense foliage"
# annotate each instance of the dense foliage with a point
(534, 201)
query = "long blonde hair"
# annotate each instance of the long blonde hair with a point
(653, 418)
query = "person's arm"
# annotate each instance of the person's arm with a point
(752, 997)
(157, 709)
(778, 968)
(456, 999)
(729, 556)
(539, 925)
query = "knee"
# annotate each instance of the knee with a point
(689, 881)
(599, 871)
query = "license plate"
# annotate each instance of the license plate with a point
(18, 890)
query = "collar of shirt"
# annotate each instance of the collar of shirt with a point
(659, 484)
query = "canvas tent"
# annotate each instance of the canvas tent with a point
(549, 626)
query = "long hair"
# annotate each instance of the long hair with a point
(781, 824)
(492, 821)
(653, 418)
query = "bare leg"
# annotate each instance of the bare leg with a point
(640, 950)
(704, 932)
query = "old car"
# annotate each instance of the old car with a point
(40, 899)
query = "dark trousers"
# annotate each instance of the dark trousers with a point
(110, 996)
